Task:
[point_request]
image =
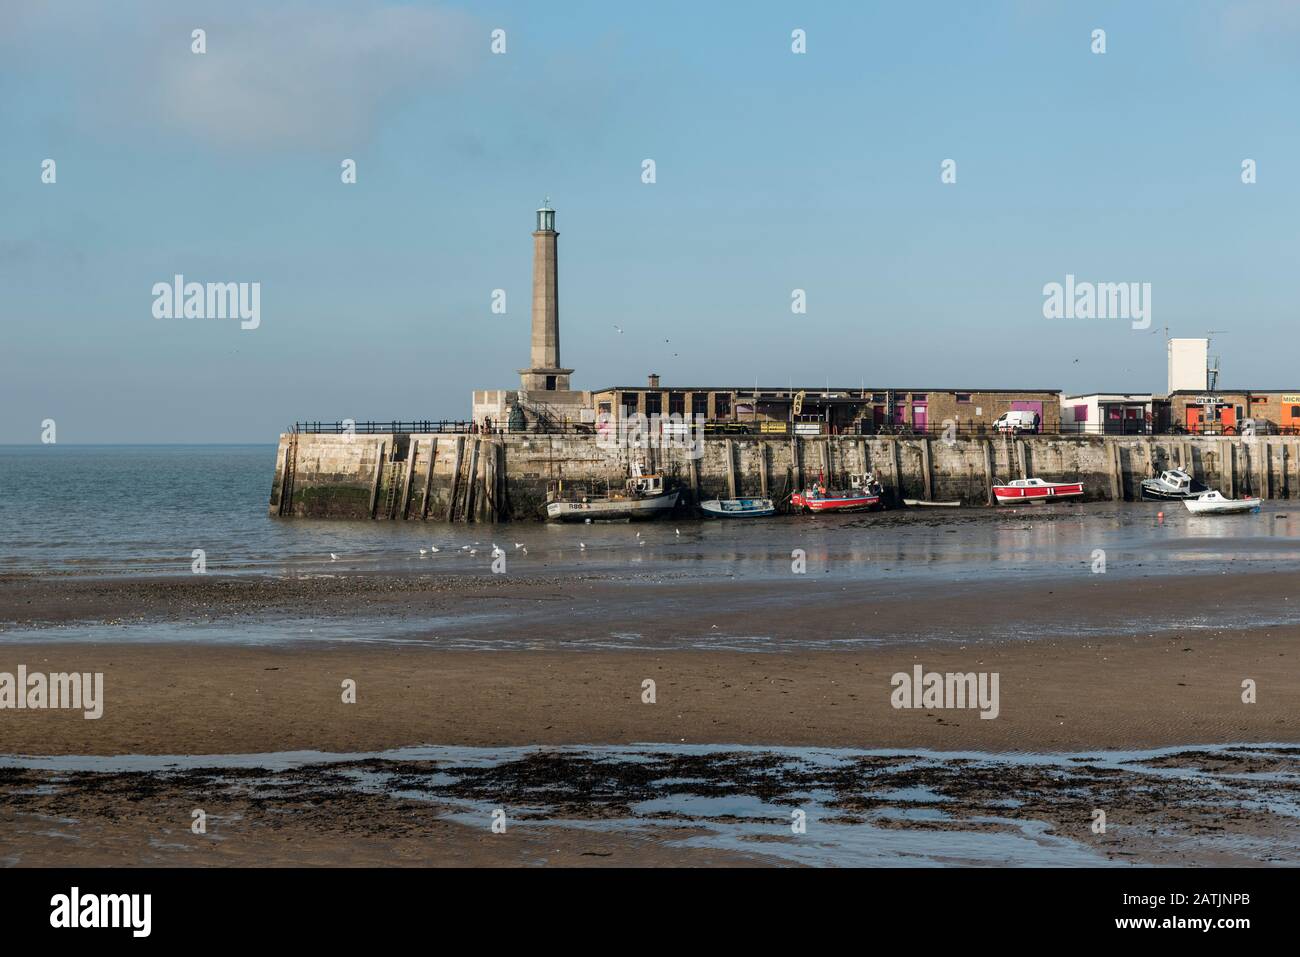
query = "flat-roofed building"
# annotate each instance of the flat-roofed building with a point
(823, 410)
(1235, 411)
(1107, 413)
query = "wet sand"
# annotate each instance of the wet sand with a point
(657, 610)
(1054, 695)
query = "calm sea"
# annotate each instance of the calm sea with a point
(112, 510)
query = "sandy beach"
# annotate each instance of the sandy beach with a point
(1117, 693)
(1058, 693)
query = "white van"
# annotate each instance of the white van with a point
(1018, 420)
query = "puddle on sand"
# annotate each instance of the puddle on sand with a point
(1237, 804)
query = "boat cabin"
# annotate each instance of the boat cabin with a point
(642, 483)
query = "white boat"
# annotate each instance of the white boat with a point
(643, 497)
(1172, 485)
(1214, 503)
(738, 507)
(922, 503)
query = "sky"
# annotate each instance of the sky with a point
(774, 171)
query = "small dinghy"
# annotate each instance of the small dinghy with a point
(1214, 503)
(1172, 485)
(738, 507)
(922, 503)
(1036, 490)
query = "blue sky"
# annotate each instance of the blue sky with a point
(775, 171)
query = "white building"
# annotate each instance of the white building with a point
(1189, 365)
(1106, 413)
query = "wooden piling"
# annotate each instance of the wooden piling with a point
(797, 457)
(1229, 480)
(988, 471)
(374, 483)
(1116, 476)
(1266, 469)
(489, 507)
(1022, 458)
(895, 472)
(455, 478)
(471, 477)
(926, 477)
(428, 479)
(762, 468)
(286, 477)
(731, 468)
(502, 483)
(1294, 454)
(404, 502)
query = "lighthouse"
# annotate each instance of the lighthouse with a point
(544, 373)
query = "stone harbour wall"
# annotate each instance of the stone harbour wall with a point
(458, 477)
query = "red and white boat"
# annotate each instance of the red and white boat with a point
(864, 494)
(1036, 490)
(818, 500)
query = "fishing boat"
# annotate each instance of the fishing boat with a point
(864, 493)
(922, 503)
(1215, 503)
(1035, 490)
(643, 497)
(1172, 485)
(738, 507)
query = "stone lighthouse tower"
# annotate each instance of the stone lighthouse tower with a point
(545, 374)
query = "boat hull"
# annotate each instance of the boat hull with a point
(1231, 506)
(612, 510)
(1037, 493)
(1154, 493)
(738, 508)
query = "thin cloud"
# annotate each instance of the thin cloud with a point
(304, 76)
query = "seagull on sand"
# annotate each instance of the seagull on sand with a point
(424, 551)
(333, 557)
(435, 549)
(519, 544)
(582, 544)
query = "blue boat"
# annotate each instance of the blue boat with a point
(738, 507)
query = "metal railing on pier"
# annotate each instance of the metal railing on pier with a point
(425, 426)
(549, 426)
